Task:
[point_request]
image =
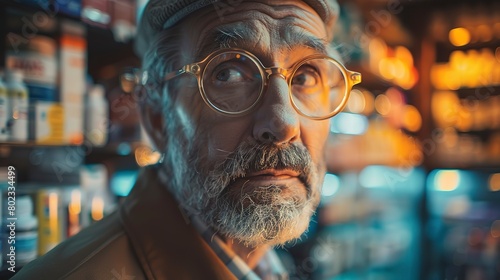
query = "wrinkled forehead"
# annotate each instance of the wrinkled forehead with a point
(261, 28)
(316, 17)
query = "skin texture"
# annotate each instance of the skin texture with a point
(277, 35)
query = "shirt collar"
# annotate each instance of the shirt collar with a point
(269, 266)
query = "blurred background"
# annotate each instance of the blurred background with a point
(413, 183)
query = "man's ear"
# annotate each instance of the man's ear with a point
(152, 120)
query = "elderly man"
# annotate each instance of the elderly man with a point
(237, 97)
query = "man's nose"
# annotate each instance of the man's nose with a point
(276, 120)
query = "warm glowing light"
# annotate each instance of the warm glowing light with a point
(331, 185)
(75, 206)
(53, 204)
(459, 36)
(377, 49)
(412, 119)
(497, 54)
(356, 103)
(97, 211)
(458, 61)
(146, 156)
(474, 68)
(383, 105)
(404, 55)
(445, 107)
(446, 180)
(74, 210)
(385, 68)
(495, 182)
(495, 229)
(395, 65)
(438, 74)
(398, 69)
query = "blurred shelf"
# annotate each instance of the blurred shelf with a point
(103, 49)
(472, 162)
(33, 144)
(481, 93)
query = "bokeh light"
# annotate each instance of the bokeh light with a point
(412, 120)
(459, 36)
(383, 105)
(446, 180)
(356, 103)
(331, 185)
(494, 182)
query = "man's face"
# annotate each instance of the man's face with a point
(257, 177)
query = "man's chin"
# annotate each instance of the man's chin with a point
(272, 218)
(267, 191)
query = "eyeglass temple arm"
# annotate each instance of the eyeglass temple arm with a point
(174, 74)
(190, 68)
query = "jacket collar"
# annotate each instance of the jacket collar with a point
(165, 245)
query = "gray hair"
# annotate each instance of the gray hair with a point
(162, 57)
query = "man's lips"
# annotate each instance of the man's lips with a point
(272, 174)
(289, 181)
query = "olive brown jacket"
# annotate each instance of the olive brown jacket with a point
(146, 238)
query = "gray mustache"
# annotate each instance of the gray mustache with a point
(249, 158)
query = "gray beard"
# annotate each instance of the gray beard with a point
(260, 217)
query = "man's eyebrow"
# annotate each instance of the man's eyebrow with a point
(227, 37)
(223, 38)
(303, 39)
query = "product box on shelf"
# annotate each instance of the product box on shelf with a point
(49, 212)
(73, 61)
(49, 123)
(38, 62)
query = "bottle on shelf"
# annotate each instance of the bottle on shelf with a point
(26, 232)
(18, 101)
(4, 110)
(96, 117)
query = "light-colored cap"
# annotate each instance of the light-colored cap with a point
(162, 14)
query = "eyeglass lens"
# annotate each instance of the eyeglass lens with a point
(318, 87)
(233, 82)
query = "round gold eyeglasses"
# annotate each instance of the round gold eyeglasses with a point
(233, 81)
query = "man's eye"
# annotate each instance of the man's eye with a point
(229, 75)
(306, 78)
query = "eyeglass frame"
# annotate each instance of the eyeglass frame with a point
(198, 70)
